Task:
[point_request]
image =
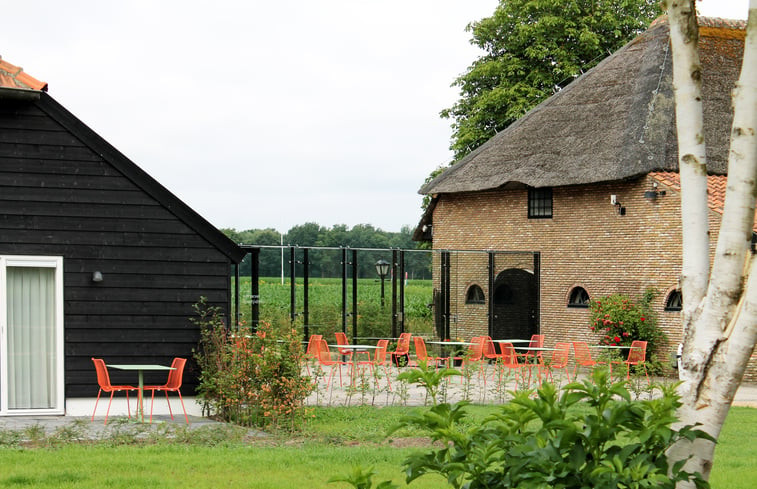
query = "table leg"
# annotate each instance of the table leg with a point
(140, 395)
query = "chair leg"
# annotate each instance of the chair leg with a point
(182, 405)
(108, 411)
(96, 401)
(169, 406)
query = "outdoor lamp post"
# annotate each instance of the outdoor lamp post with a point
(382, 268)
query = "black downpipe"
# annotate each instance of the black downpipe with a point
(354, 295)
(305, 279)
(537, 277)
(292, 290)
(344, 290)
(445, 292)
(402, 291)
(394, 294)
(491, 294)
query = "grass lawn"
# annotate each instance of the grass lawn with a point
(335, 440)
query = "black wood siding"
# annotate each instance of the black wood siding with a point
(60, 197)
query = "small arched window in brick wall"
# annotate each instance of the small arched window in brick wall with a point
(578, 298)
(674, 302)
(475, 295)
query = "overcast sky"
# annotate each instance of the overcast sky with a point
(265, 113)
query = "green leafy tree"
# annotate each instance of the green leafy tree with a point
(533, 48)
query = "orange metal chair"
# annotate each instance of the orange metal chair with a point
(637, 355)
(103, 380)
(421, 353)
(583, 357)
(537, 341)
(311, 353)
(341, 339)
(379, 360)
(475, 355)
(324, 359)
(510, 360)
(559, 361)
(173, 384)
(402, 350)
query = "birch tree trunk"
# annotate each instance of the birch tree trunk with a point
(720, 308)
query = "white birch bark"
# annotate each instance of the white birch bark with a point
(687, 87)
(721, 330)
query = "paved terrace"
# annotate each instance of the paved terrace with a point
(364, 392)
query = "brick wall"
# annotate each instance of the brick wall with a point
(586, 243)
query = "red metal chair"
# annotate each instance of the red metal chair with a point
(475, 355)
(559, 361)
(325, 360)
(402, 350)
(510, 360)
(341, 340)
(379, 360)
(311, 353)
(421, 354)
(583, 357)
(173, 384)
(103, 380)
(637, 355)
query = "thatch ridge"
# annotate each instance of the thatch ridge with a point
(614, 122)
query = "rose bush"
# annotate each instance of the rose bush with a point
(618, 320)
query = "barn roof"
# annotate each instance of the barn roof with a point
(23, 88)
(614, 122)
(12, 76)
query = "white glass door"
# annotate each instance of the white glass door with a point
(31, 335)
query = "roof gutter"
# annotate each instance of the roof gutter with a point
(22, 94)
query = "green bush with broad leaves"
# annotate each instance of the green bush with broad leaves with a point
(587, 435)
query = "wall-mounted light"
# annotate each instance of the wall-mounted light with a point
(614, 201)
(652, 195)
(97, 276)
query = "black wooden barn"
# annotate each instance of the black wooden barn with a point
(99, 249)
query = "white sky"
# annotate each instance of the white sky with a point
(265, 113)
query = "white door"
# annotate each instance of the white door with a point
(31, 335)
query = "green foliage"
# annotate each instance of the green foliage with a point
(591, 435)
(250, 379)
(531, 49)
(325, 305)
(619, 320)
(328, 262)
(363, 479)
(428, 377)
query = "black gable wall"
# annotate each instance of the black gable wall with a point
(59, 197)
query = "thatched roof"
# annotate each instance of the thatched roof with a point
(614, 122)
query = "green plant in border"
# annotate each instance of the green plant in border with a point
(590, 435)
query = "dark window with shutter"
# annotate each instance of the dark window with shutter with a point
(539, 203)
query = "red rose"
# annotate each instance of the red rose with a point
(626, 334)
(642, 318)
(616, 339)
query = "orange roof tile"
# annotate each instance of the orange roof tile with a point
(716, 185)
(12, 76)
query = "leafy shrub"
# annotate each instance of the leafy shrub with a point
(250, 379)
(618, 320)
(592, 435)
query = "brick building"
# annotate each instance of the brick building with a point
(584, 187)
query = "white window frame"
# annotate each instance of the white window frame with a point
(55, 262)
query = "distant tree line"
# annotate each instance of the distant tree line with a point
(328, 263)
